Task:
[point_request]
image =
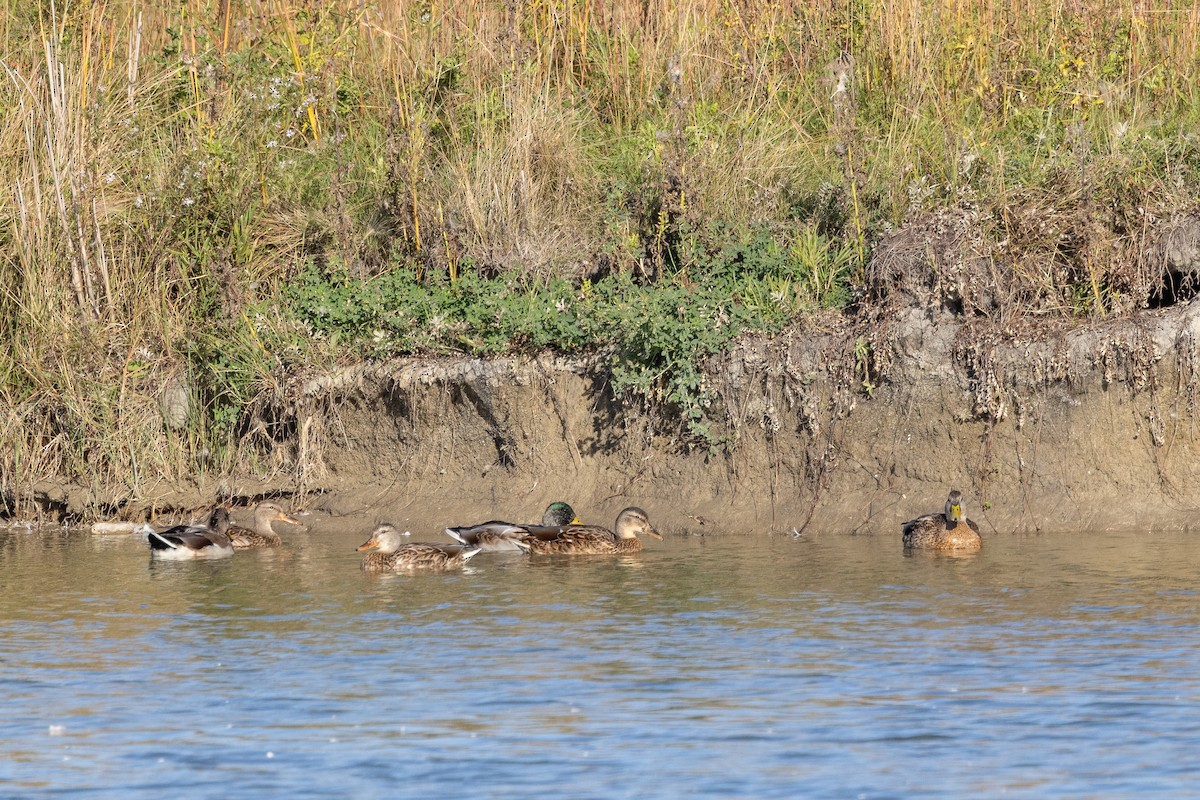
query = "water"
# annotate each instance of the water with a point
(721, 666)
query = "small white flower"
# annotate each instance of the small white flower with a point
(187, 201)
(291, 132)
(138, 202)
(110, 178)
(272, 144)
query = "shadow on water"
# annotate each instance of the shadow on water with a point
(752, 666)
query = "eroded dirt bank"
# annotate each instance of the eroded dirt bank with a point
(1089, 429)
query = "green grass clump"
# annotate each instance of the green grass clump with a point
(214, 196)
(657, 334)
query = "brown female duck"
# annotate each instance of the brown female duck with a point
(950, 530)
(262, 534)
(591, 539)
(392, 554)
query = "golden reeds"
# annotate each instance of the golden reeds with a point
(168, 166)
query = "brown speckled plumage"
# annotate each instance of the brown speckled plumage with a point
(262, 534)
(393, 555)
(592, 539)
(950, 530)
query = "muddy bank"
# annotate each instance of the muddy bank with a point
(1086, 429)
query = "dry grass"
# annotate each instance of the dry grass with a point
(168, 166)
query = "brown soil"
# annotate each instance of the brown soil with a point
(1087, 429)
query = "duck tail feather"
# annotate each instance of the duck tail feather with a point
(159, 542)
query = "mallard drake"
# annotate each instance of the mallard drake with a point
(559, 513)
(191, 541)
(499, 536)
(262, 535)
(591, 539)
(950, 530)
(392, 554)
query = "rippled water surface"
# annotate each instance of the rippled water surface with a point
(723, 666)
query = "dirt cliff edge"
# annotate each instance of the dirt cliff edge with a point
(854, 431)
(1091, 428)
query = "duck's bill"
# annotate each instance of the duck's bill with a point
(286, 517)
(370, 544)
(655, 534)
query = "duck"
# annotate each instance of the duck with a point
(591, 539)
(392, 554)
(262, 535)
(950, 530)
(499, 536)
(558, 514)
(183, 542)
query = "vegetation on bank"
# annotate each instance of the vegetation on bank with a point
(205, 199)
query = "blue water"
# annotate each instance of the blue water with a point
(1062, 665)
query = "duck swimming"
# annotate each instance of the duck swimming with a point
(262, 534)
(950, 530)
(184, 542)
(591, 539)
(499, 536)
(392, 554)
